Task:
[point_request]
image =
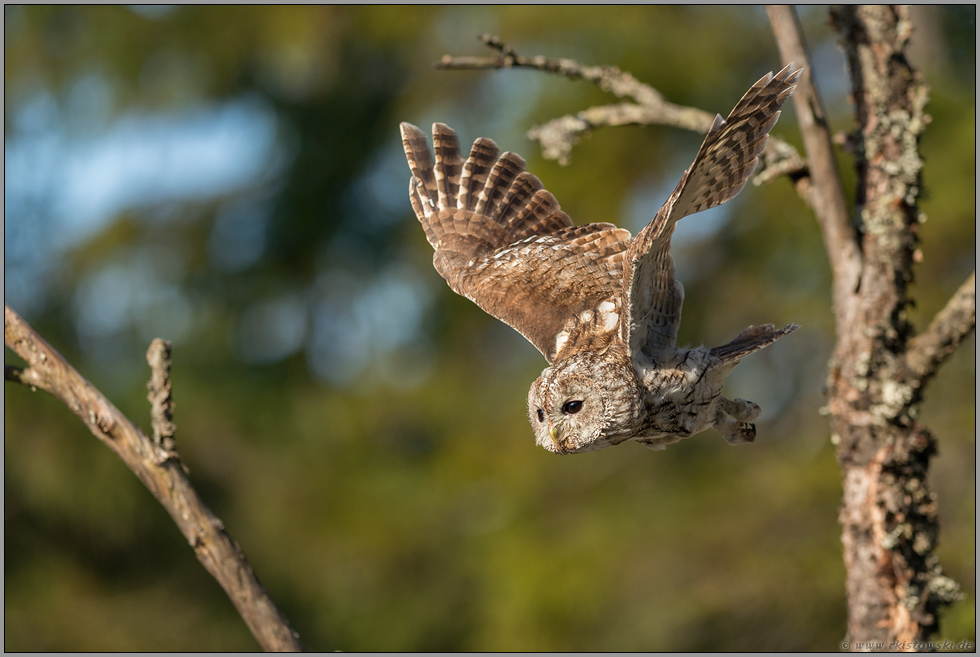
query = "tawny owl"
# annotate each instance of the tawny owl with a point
(603, 308)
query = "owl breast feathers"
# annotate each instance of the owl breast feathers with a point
(602, 307)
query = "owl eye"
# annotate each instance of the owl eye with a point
(540, 415)
(571, 407)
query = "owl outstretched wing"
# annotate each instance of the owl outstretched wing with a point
(502, 241)
(651, 295)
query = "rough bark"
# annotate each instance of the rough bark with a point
(895, 585)
(157, 465)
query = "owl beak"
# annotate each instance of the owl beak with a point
(554, 435)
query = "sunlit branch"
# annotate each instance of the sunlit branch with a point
(559, 136)
(157, 465)
(825, 194)
(949, 327)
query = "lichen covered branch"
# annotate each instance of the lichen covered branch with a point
(157, 466)
(950, 326)
(895, 584)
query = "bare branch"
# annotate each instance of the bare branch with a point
(608, 78)
(826, 194)
(953, 323)
(160, 471)
(559, 136)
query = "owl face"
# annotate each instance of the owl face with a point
(567, 411)
(588, 401)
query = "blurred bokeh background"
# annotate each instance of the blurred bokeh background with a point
(231, 179)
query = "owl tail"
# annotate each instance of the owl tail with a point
(749, 341)
(470, 208)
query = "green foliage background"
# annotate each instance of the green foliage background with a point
(402, 504)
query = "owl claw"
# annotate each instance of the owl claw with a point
(734, 420)
(746, 433)
(736, 433)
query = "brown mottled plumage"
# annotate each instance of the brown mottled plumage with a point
(603, 308)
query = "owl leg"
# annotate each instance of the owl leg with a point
(733, 420)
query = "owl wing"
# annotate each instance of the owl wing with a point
(502, 241)
(651, 295)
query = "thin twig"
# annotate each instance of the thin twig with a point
(161, 402)
(160, 471)
(24, 375)
(559, 136)
(608, 78)
(826, 194)
(954, 322)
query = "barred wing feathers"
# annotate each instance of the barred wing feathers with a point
(502, 241)
(726, 159)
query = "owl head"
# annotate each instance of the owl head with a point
(584, 403)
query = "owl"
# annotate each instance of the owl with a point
(601, 306)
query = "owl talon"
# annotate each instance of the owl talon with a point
(733, 420)
(736, 433)
(746, 432)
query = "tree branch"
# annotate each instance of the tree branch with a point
(559, 136)
(927, 351)
(825, 194)
(157, 466)
(895, 584)
(608, 78)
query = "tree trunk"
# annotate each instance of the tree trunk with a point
(894, 582)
